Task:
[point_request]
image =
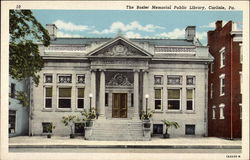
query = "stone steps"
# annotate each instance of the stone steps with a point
(117, 130)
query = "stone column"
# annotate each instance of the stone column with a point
(93, 88)
(102, 94)
(145, 88)
(136, 94)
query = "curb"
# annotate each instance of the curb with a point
(133, 146)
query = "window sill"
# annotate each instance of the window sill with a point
(47, 110)
(158, 111)
(173, 111)
(63, 110)
(190, 112)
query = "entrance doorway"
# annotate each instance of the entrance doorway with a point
(119, 108)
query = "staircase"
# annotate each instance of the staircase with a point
(117, 130)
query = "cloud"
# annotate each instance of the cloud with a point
(176, 33)
(68, 26)
(61, 34)
(210, 25)
(201, 35)
(119, 26)
(132, 35)
(180, 33)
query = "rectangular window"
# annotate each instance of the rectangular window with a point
(241, 53)
(222, 84)
(158, 99)
(190, 99)
(64, 100)
(158, 80)
(213, 112)
(13, 90)
(64, 78)
(174, 99)
(81, 79)
(48, 97)
(222, 111)
(240, 105)
(174, 80)
(190, 80)
(12, 121)
(45, 126)
(212, 67)
(48, 78)
(132, 99)
(80, 98)
(211, 90)
(222, 57)
(157, 129)
(240, 82)
(190, 129)
(79, 128)
(106, 99)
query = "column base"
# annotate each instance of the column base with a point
(101, 117)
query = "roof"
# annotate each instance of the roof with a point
(87, 41)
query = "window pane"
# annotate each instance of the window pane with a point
(64, 92)
(48, 103)
(80, 103)
(189, 94)
(106, 99)
(79, 128)
(48, 92)
(64, 103)
(189, 105)
(157, 129)
(190, 130)
(173, 104)
(157, 104)
(173, 94)
(80, 92)
(157, 93)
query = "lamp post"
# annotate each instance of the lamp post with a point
(90, 98)
(146, 96)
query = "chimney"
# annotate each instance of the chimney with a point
(52, 29)
(190, 33)
(218, 25)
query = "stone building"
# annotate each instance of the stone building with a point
(118, 73)
(18, 114)
(225, 77)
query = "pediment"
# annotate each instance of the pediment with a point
(119, 47)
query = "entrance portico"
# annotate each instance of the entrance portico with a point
(115, 69)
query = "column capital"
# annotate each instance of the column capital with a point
(136, 70)
(145, 70)
(102, 70)
(93, 70)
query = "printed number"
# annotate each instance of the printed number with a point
(18, 6)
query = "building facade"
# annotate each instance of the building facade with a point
(18, 114)
(225, 76)
(118, 73)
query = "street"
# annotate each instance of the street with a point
(123, 150)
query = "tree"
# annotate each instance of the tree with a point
(25, 35)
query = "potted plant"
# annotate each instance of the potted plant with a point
(168, 125)
(49, 129)
(145, 116)
(70, 121)
(89, 115)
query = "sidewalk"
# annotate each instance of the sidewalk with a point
(156, 142)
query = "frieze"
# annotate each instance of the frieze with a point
(119, 62)
(174, 50)
(119, 80)
(65, 49)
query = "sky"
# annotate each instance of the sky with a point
(134, 24)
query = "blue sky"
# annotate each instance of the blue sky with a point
(134, 24)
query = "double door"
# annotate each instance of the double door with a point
(119, 107)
